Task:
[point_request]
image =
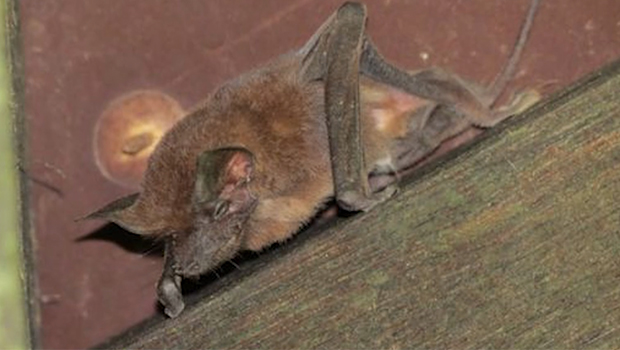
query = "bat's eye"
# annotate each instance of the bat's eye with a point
(220, 209)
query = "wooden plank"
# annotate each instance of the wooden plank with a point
(16, 331)
(514, 242)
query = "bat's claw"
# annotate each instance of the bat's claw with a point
(169, 293)
(355, 201)
(518, 104)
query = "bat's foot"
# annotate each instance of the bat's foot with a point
(356, 201)
(169, 293)
(518, 104)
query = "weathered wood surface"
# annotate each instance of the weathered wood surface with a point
(513, 243)
(19, 321)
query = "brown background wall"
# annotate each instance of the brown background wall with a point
(80, 55)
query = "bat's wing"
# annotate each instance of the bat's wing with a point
(337, 53)
(333, 55)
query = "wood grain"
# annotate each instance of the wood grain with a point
(512, 243)
(18, 304)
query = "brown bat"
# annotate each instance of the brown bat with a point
(263, 153)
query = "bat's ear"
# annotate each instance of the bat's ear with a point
(121, 212)
(220, 172)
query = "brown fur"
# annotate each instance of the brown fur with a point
(275, 116)
(284, 127)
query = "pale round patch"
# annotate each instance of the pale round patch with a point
(128, 131)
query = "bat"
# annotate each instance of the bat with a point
(263, 153)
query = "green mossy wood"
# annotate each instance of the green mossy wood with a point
(512, 243)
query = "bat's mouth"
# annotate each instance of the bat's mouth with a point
(206, 260)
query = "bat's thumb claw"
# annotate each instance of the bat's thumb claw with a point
(174, 311)
(170, 297)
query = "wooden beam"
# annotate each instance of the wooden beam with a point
(19, 312)
(512, 243)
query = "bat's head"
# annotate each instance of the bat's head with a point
(214, 218)
(221, 205)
